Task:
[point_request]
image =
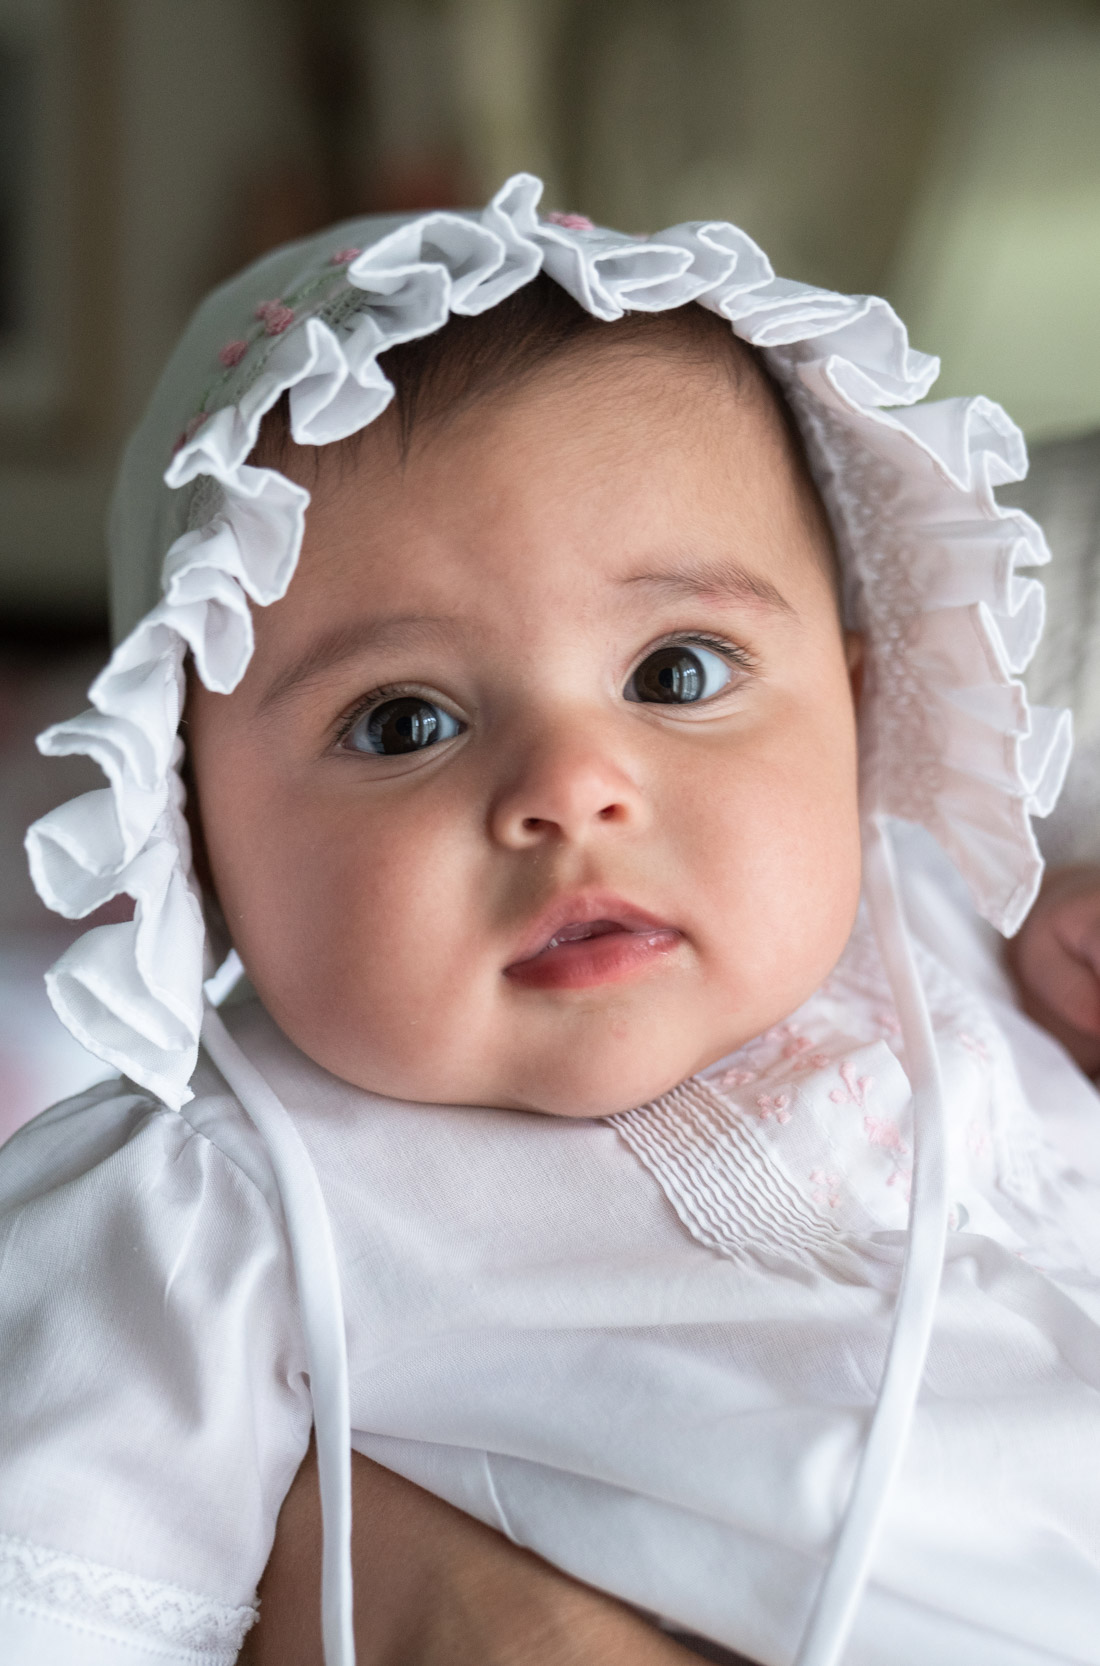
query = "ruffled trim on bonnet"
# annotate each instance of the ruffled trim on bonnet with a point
(930, 562)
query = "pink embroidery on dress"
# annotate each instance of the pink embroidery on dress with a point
(773, 1106)
(888, 1021)
(344, 257)
(793, 1042)
(974, 1044)
(854, 1091)
(902, 1180)
(232, 353)
(275, 316)
(885, 1134)
(734, 1077)
(826, 1187)
(571, 222)
(819, 1061)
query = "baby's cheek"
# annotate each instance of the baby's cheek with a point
(280, 881)
(371, 966)
(786, 866)
(792, 816)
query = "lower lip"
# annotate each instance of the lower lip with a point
(612, 958)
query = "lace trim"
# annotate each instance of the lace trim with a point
(900, 719)
(69, 1588)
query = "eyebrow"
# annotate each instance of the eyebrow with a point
(718, 581)
(714, 581)
(349, 641)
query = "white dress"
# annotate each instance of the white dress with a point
(645, 1347)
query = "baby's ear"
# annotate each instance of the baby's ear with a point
(853, 654)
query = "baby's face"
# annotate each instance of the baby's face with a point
(540, 789)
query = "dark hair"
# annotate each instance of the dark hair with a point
(439, 374)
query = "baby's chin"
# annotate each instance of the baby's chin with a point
(598, 1089)
(607, 1064)
(574, 1084)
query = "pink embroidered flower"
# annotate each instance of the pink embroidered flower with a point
(571, 222)
(275, 317)
(887, 1134)
(819, 1061)
(826, 1188)
(343, 257)
(193, 426)
(733, 1077)
(232, 353)
(854, 1091)
(773, 1107)
(902, 1181)
(888, 1022)
(974, 1044)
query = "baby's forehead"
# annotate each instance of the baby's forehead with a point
(619, 479)
(421, 559)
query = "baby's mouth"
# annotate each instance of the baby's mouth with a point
(581, 953)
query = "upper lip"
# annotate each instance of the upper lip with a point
(584, 908)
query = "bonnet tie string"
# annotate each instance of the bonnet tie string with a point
(838, 1597)
(318, 1281)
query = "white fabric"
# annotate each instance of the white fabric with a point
(147, 1290)
(930, 561)
(648, 1348)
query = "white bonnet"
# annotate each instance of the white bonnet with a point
(930, 561)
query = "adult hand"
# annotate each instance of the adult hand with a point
(1056, 960)
(434, 1587)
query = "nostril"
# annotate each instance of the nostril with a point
(538, 825)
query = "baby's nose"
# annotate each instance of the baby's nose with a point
(565, 790)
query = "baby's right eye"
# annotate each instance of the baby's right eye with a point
(406, 724)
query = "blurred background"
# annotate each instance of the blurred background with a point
(944, 153)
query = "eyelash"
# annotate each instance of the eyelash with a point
(387, 691)
(729, 651)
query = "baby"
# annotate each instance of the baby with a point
(527, 780)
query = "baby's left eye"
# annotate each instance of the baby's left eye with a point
(677, 675)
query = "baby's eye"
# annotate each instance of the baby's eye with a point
(676, 675)
(407, 724)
